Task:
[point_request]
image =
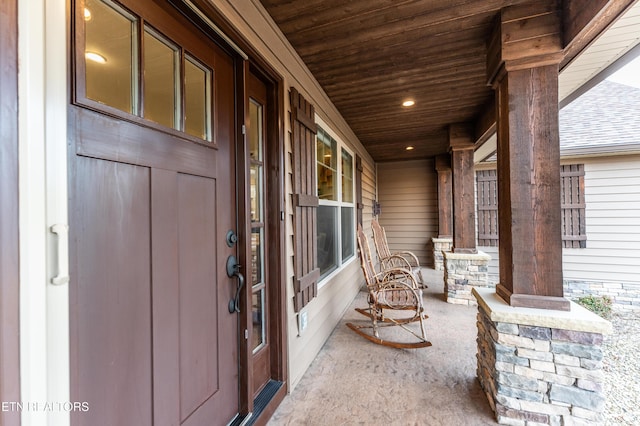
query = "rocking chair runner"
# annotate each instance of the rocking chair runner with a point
(401, 259)
(390, 290)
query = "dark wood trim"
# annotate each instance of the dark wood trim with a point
(485, 124)
(303, 288)
(9, 237)
(585, 20)
(275, 227)
(243, 229)
(463, 188)
(359, 204)
(533, 301)
(305, 200)
(445, 197)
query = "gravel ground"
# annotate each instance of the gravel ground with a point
(622, 370)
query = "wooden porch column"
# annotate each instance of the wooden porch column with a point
(464, 214)
(522, 66)
(445, 208)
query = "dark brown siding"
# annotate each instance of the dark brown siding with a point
(9, 269)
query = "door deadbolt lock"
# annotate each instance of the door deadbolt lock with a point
(232, 238)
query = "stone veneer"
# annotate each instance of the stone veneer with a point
(440, 246)
(463, 272)
(625, 296)
(540, 367)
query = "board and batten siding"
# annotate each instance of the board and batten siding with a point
(408, 196)
(612, 253)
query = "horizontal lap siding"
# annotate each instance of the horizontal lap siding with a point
(408, 195)
(612, 194)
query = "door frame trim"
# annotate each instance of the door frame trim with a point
(42, 128)
(9, 235)
(275, 226)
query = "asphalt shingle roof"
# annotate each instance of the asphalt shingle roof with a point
(604, 118)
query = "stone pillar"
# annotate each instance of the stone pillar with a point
(440, 247)
(540, 366)
(463, 272)
(461, 141)
(522, 66)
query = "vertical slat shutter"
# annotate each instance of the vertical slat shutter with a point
(573, 206)
(359, 205)
(305, 200)
(487, 190)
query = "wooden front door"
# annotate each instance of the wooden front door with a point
(152, 187)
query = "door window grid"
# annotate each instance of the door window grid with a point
(177, 97)
(336, 211)
(256, 142)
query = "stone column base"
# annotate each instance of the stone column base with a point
(540, 366)
(463, 272)
(440, 246)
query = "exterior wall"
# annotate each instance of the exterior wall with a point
(408, 195)
(610, 264)
(336, 293)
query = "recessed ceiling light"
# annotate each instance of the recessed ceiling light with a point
(95, 57)
(408, 103)
(409, 148)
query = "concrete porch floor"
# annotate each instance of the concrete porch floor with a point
(355, 382)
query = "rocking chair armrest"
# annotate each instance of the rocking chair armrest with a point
(396, 261)
(407, 254)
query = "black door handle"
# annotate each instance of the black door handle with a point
(233, 270)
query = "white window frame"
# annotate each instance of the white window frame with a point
(339, 204)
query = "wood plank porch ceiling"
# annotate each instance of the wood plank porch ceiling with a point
(370, 55)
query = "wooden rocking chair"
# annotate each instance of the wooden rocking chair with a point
(394, 300)
(401, 259)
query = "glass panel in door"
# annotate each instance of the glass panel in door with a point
(256, 140)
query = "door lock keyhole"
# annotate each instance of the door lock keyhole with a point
(232, 238)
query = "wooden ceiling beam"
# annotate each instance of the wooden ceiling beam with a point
(585, 20)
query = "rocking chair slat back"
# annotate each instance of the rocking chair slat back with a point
(390, 290)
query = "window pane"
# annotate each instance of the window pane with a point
(257, 315)
(347, 177)
(255, 131)
(256, 255)
(160, 80)
(327, 239)
(327, 166)
(256, 193)
(347, 233)
(197, 99)
(111, 52)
